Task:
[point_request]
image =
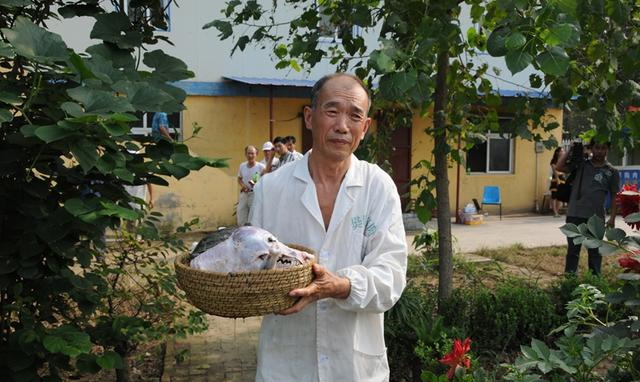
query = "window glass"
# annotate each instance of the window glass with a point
(477, 158)
(499, 154)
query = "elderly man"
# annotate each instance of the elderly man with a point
(248, 175)
(348, 212)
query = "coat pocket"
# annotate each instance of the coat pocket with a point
(371, 367)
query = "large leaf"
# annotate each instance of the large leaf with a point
(143, 96)
(6, 50)
(496, 43)
(110, 360)
(381, 62)
(167, 68)
(34, 42)
(515, 41)
(596, 226)
(99, 101)
(85, 153)
(554, 62)
(67, 340)
(563, 34)
(52, 133)
(5, 116)
(518, 60)
(115, 27)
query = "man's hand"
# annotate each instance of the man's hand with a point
(325, 285)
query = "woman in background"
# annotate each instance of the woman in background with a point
(557, 177)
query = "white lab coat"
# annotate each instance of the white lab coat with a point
(332, 339)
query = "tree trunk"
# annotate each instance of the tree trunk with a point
(445, 253)
(122, 375)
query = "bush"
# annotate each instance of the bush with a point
(503, 318)
(414, 307)
(562, 293)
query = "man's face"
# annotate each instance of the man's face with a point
(251, 154)
(599, 151)
(267, 154)
(281, 149)
(290, 146)
(339, 121)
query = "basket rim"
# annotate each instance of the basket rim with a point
(181, 262)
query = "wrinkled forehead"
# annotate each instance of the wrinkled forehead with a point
(343, 91)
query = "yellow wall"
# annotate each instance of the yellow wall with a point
(520, 190)
(229, 124)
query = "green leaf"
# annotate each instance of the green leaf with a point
(115, 27)
(15, 3)
(629, 276)
(224, 27)
(563, 34)
(5, 116)
(6, 50)
(554, 62)
(167, 68)
(77, 207)
(85, 153)
(67, 340)
(142, 95)
(518, 60)
(52, 133)
(72, 108)
(496, 43)
(34, 42)
(110, 360)
(540, 348)
(570, 230)
(381, 62)
(79, 64)
(515, 41)
(294, 65)
(632, 218)
(596, 226)
(615, 234)
(99, 101)
(177, 171)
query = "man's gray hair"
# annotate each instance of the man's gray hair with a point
(317, 87)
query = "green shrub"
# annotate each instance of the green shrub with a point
(503, 318)
(414, 307)
(562, 293)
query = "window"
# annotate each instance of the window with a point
(143, 126)
(159, 13)
(331, 32)
(493, 156)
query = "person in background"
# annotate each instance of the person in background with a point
(248, 175)
(282, 150)
(160, 127)
(594, 180)
(557, 177)
(270, 161)
(291, 146)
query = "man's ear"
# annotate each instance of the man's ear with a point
(367, 124)
(307, 117)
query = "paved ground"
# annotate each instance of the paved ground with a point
(227, 351)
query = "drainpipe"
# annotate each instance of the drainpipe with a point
(270, 112)
(458, 187)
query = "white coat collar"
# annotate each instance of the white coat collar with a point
(346, 195)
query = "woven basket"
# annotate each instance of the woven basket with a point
(242, 294)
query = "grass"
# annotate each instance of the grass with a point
(546, 261)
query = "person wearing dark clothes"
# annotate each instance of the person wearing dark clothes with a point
(595, 178)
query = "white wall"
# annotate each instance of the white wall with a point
(209, 58)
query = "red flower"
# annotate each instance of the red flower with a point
(629, 262)
(457, 357)
(629, 201)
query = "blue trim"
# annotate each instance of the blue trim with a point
(253, 87)
(235, 89)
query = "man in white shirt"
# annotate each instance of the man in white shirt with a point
(291, 146)
(248, 175)
(347, 211)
